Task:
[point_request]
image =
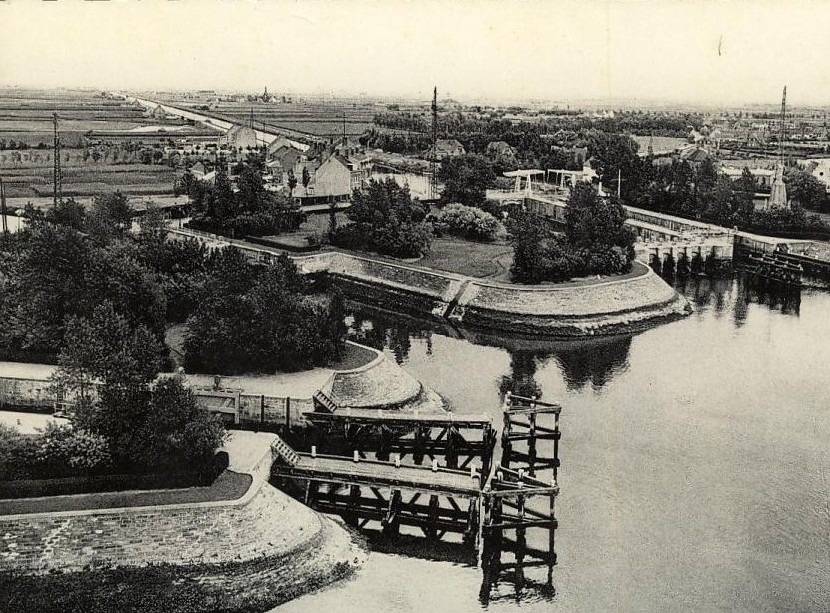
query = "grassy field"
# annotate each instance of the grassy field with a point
(90, 180)
(473, 259)
(317, 119)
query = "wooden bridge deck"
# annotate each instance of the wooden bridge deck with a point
(333, 469)
(392, 417)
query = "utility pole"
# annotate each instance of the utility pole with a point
(57, 179)
(433, 162)
(782, 129)
(3, 208)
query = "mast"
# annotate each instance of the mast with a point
(3, 208)
(57, 179)
(433, 162)
(781, 129)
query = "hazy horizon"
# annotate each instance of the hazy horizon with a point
(591, 53)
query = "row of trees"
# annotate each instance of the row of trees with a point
(80, 289)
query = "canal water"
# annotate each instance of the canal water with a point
(695, 459)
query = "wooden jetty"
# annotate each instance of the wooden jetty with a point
(457, 438)
(493, 502)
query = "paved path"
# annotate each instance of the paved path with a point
(246, 449)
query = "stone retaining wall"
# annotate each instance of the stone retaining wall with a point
(611, 307)
(381, 383)
(400, 287)
(624, 305)
(262, 522)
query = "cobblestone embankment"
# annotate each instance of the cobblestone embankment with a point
(610, 307)
(274, 544)
(381, 384)
(399, 286)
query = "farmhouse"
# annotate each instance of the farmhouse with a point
(445, 148)
(240, 137)
(334, 180)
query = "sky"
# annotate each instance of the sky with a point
(696, 51)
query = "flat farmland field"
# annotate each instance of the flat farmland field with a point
(26, 115)
(314, 119)
(135, 179)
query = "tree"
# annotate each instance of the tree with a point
(261, 319)
(805, 190)
(614, 157)
(292, 183)
(306, 177)
(68, 213)
(111, 217)
(466, 179)
(105, 347)
(175, 432)
(44, 284)
(385, 219)
(594, 222)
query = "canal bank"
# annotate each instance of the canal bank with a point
(583, 307)
(245, 554)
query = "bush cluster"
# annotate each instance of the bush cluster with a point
(253, 318)
(596, 241)
(56, 451)
(259, 223)
(386, 220)
(466, 221)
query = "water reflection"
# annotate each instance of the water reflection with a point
(719, 293)
(594, 361)
(387, 331)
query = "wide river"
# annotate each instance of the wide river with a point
(695, 461)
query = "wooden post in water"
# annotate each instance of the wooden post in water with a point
(452, 453)
(521, 539)
(432, 529)
(351, 517)
(552, 538)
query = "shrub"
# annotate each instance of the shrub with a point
(354, 236)
(18, 454)
(466, 222)
(402, 240)
(64, 451)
